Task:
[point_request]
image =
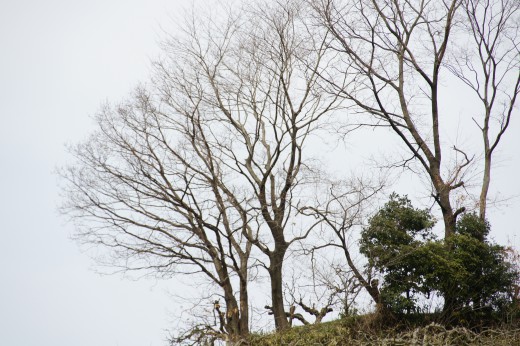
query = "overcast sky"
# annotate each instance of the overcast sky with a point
(58, 61)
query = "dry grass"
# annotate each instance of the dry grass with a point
(341, 332)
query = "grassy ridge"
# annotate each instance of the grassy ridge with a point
(359, 332)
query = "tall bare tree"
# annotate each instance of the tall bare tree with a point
(393, 58)
(490, 66)
(147, 186)
(207, 164)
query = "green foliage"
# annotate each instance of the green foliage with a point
(471, 273)
(472, 226)
(488, 276)
(392, 243)
(397, 224)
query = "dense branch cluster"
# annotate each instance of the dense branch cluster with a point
(206, 170)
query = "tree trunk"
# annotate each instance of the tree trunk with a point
(449, 222)
(450, 305)
(237, 316)
(232, 316)
(443, 200)
(244, 307)
(485, 186)
(275, 272)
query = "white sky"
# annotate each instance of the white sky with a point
(58, 61)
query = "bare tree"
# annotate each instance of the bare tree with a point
(327, 286)
(201, 323)
(490, 67)
(393, 55)
(342, 211)
(206, 164)
(147, 186)
(266, 93)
